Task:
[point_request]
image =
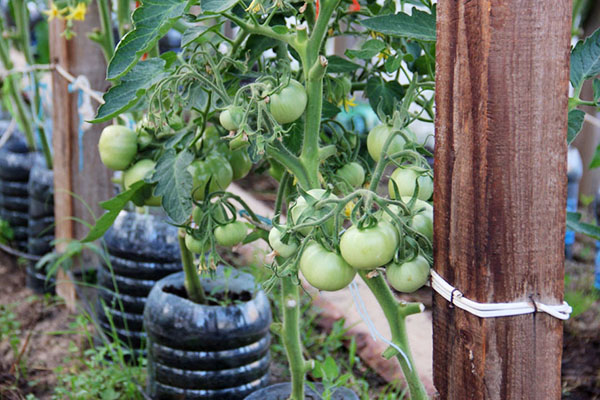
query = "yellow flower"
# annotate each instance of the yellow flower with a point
(77, 13)
(347, 103)
(256, 6)
(384, 54)
(53, 12)
(348, 209)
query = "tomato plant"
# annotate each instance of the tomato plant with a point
(270, 96)
(117, 147)
(408, 276)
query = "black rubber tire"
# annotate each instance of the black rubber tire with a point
(14, 203)
(137, 340)
(39, 227)
(142, 269)
(132, 304)
(124, 284)
(221, 336)
(127, 321)
(281, 391)
(38, 208)
(15, 166)
(16, 143)
(14, 218)
(36, 281)
(13, 188)
(40, 245)
(41, 181)
(142, 237)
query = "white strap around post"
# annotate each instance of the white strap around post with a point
(493, 310)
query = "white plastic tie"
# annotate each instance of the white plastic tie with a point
(494, 310)
(362, 311)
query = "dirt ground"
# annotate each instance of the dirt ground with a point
(39, 352)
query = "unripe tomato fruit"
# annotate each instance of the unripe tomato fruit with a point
(230, 234)
(214, 168)
(409, 276)
(240, 163)
(289, 103)
(353, 174)
(231, 118)
(301, 205)
(369, 248)
(324, 269)
(196, 246)
(406, 178)
(282, 249)
(138, 172)
(117, 147)
(377, 138)
(275, 170)
(422, 222)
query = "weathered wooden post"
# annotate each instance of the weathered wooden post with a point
(78, 56)
(500, 188)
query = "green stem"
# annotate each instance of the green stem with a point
(317, 36)
(107, 39)
(123, 16)
(192, 284)
(290, 335)
(395, 314)
(312, 123)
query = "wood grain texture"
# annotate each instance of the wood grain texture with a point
(502, 78)
(92, 184)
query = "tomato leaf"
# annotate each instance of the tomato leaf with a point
(574, 224)
(596, 86)
(132, 87)
(368, 50)
(576, 118)
(196, 32)
(384, 94)
(585, 60)
(113, 206)
(595, 163)
(152, 20)
(174, 184)
(420, 25)
(336, 64)
(217, 6)
(329, 110)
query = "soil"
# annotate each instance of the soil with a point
(40, 351)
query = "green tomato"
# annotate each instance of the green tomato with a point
(282, 249)
(196, 246)
(289, 103)
(230, 234)
(324, 269)
(240, 163)
(422, 222)
(215, 168)
(117, 147)
(369, 248)
(301, 205)
(406, 178)
(353, 174)
(231, 118)
(409, 276)
(136, 173)
(379, 135)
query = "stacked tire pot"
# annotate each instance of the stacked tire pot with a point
(41, 223)
(141, 250)
(204, 351)
(15, 165)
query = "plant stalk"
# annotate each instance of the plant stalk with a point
(106, 38)
(395, 314)
(290, 299)
(192, 283)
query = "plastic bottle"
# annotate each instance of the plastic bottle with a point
(574, 173)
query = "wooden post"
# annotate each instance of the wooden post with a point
(502, 78)
(78, 56)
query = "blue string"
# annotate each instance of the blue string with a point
(80, 131)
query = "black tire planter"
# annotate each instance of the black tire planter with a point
(40, 225)
(281, 391)
(15, 164)
(142, 249)
(206, 352)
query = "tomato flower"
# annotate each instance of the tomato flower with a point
(347, 103)
(53, 12)
(77, 13)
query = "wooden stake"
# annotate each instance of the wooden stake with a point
(79, 56)
(502, 80)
